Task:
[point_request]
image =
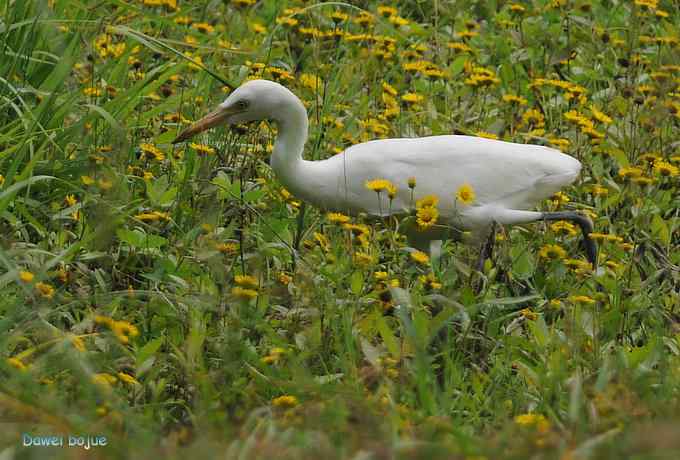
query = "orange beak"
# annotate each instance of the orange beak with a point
(212, 119)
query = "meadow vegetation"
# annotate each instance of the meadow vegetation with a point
(178, 300)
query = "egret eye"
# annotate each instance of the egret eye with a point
(242, 104)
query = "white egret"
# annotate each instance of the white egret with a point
(507, 178)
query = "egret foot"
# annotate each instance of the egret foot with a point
(586, 226)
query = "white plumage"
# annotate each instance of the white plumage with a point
(508, 179)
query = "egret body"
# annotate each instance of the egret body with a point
(508, 179)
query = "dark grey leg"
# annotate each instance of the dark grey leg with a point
(586, 228)
(487, 248)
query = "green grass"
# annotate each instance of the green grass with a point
(121, 312)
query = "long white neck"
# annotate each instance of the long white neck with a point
(296, 174)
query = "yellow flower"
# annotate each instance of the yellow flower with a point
(226, 248)
(150, 149)
(244, 293)
(362, 259)
(285, 402)
(104, 379)
(17, 364)
(153, 216)
(87, 180)
(577, 265)
(105, 320)
(201, 148)
(512, 99)
(420, 257)
(77, 343)
(600, 116)
(380, 276)
(664, 168)
(45, 290)
(387, 11)
(529, 314)
(312, 82)
(581, 299)
(284, 278)
(378, 185)
(203, 27)
(389, 89)
(465, 194)
(127, 378)
(430, 281)
(124, 330)
(564, 228)
(428, 201)
(552, 251)
(26, 277)
(411, 182)
(337, 218)
(459, 47)
(412, 98)
(92, 91)
(426, 217)
(537, 421)
(246, 281)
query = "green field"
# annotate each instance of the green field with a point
(177, 300)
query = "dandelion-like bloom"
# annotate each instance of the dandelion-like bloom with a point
(123, 331)
(600, 116)
(285, 402)
(226, 248)
(45, 290)
(630, 172)
(378, 185)
(127, 378)
(578, 265)
(420, 257)
(362, 259)
(202, 148)
(242, 293)
(426, 217)
(529, 314)
(104, 379)
(584, 299)
(552, 252)
(153, 216)
(246, 281)
(430, 281)
(412, 98)
(389, 89)
(428, 201)
(337, 218)
(25, 276)
(537, 421)
(150, 149)
(564, 228)
(514, 99)
(466, 194)
(666, 169)
(17, 364)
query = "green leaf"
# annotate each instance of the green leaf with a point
(356, 282)
(139, 239)
(391, 342)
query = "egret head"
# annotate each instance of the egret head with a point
(254, 100)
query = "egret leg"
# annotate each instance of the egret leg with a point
(515, 216)
(586, 226)
(486, 250)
